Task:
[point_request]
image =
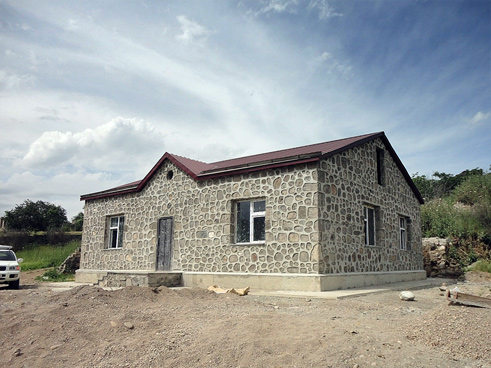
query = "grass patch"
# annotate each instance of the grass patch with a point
(482, 265)
(45, 256)
(54, 276)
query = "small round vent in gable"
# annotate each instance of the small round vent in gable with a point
(170, 174)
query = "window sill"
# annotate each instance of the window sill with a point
(113, 248)
(252, 243)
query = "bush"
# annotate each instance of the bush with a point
(54, 276)
(482, 265)
(23, 240)
(438, 219)
(443, 219)
(17, 239)
(453, 253)
(475, 190)
(56, 236)
(472, 256)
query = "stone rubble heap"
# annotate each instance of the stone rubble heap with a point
(436, 260)
(71, 263)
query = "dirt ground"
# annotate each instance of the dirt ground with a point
(141, 327)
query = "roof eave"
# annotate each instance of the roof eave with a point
(291, 160)
(108, 193)
(403, 170)
(245, 170)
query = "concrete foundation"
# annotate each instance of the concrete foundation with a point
(298, 282)
(277, 282)
(129, 278)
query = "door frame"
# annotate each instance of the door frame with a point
(167, 262)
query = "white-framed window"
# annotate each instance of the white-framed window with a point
(250, 221)
(116, 225)
(369, 222)
(403, 232)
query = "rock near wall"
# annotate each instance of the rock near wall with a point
(71, 263)
(437, 262)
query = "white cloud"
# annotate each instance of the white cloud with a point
(262, 86)
(13, 82)
(191, 31)
(25, 27)
(479, 117)
(72, 25)
(325, 56)
(34, 61)
(50, 149)
(102, 148)
(333, 65)
(28, 114)
(325, 10)
(279, 6)
(69, 186)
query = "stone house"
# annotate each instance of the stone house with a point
(326, 216)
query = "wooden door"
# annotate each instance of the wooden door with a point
(164, 246)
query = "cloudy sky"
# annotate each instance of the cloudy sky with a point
(93, 93)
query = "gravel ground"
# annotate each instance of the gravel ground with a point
(140, 327)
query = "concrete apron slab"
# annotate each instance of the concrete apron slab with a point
(334, 294)
(356, 292)
(299, 282)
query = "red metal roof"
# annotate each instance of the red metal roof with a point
(320, 148)
(293, 156)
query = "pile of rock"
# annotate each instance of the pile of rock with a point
(71, 264)
(437, 263)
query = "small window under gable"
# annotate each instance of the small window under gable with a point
(380, 166)
(250, 225)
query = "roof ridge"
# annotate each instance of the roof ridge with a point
(188, 158)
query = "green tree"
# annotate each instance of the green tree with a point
(475, 190)
(78, 221)
(35, 216)
(424, 185)
(442, 184)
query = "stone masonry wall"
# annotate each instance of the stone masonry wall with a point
(204, 223)
(314, 220)
(347, 182)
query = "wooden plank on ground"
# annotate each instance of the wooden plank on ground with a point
(467, 299)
